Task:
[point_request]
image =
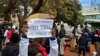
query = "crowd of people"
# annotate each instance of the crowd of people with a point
(15, 44)
(80, 39)
(85, 36)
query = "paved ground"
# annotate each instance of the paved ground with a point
(69, 53)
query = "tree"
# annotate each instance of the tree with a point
(70, 12)
(21, 8)
(16, 7)
(3, 6)
(64, 10)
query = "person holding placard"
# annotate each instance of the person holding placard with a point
(24, 42)
(40, 50)
(37, 49)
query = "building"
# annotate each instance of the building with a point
(91, 16)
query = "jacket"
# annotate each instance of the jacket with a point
(11, 50)
(83, 42)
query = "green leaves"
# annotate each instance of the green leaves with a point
(3, 7)
(70, 12)
(64, 10)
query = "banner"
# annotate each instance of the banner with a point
(39, 28)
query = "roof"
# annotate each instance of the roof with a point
(90, 11)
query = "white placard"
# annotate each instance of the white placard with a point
(39, 28)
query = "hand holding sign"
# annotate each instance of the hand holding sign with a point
(40, 28)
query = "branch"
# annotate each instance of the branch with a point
(25, 11)
(25, 3)
(37, 7)
(12, 4)
(45, 2)
(30, 1)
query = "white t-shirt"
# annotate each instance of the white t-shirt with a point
(53, 48)
(23, 47)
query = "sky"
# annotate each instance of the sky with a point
(87, 3)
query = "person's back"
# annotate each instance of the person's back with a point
(12, 49)
(83, 42)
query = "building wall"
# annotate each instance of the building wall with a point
(91, 15)
(92, 18)
(96, 16)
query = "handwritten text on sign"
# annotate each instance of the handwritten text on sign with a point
(39, 28)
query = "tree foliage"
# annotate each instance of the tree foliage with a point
(64, 10)
(20, 7)
(3, 7)
(70, 12)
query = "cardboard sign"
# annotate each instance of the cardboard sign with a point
(39, 28)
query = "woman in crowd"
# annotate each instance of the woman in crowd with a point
(24, 42)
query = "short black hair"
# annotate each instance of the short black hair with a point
(15, 38)
(62, 26)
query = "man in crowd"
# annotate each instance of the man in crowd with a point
(62, 39)
(24, 42)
